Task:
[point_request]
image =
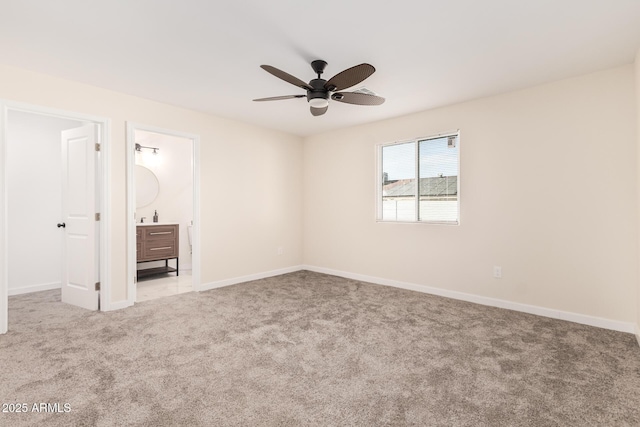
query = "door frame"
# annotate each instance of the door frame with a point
(131, 204)
(103, 176)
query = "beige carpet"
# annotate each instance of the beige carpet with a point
(307, 349)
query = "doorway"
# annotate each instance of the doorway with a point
(30, 206)
(163, 212)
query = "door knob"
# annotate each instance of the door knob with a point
(61, 224)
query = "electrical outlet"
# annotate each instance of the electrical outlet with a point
(280, 250)
(497, 272)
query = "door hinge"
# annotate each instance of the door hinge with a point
(97, 286)
(97, 216)
(97, 146)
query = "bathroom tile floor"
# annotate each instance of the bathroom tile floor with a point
(164, 286)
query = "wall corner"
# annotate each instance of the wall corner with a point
(637, 96)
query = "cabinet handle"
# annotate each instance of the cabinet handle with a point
(162, 232)
(159, 249)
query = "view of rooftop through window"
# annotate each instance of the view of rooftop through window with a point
(435, 198)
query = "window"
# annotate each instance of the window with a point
(419, 180)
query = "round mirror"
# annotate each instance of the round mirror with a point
(147, 186)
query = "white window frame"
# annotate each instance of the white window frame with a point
(379, 178)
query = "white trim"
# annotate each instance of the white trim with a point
(250, 277)
(35, 288)
(599, 322)
(380, 221)
(105, 198)
(4, 256)
(131, 209)
(195, 231)
(131, 205)
(105, 216)
(118, 305)
(638, 334)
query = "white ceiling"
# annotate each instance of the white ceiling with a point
(205, 54)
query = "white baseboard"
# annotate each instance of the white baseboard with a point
(599, 322)
(250, 277)
(35, 288)
(638, 334)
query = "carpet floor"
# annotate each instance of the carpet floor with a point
(308, 349)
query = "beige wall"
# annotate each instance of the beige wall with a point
(549, 187)
(251, 191)
(548, 192)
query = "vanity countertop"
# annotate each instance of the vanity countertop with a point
(144, 224)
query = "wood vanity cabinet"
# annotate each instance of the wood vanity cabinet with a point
(157, 243)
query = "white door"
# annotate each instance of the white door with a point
(79, 225)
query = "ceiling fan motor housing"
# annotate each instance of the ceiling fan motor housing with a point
(318, 90)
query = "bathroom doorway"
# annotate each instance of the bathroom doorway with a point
(163, 212)
(37, 254)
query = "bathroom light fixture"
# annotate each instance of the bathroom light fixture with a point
(140, 147)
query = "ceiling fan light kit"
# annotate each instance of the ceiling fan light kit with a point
(318, 102)
(319, 91)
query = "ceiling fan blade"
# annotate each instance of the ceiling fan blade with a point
(286, 77)
(319, 111)
(277, 98)
(357, 98)
(349, 77)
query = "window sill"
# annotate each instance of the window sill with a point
(381, 221)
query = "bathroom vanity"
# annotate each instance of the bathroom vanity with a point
(157, 242)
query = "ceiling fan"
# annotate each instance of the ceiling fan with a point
(319, 90)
